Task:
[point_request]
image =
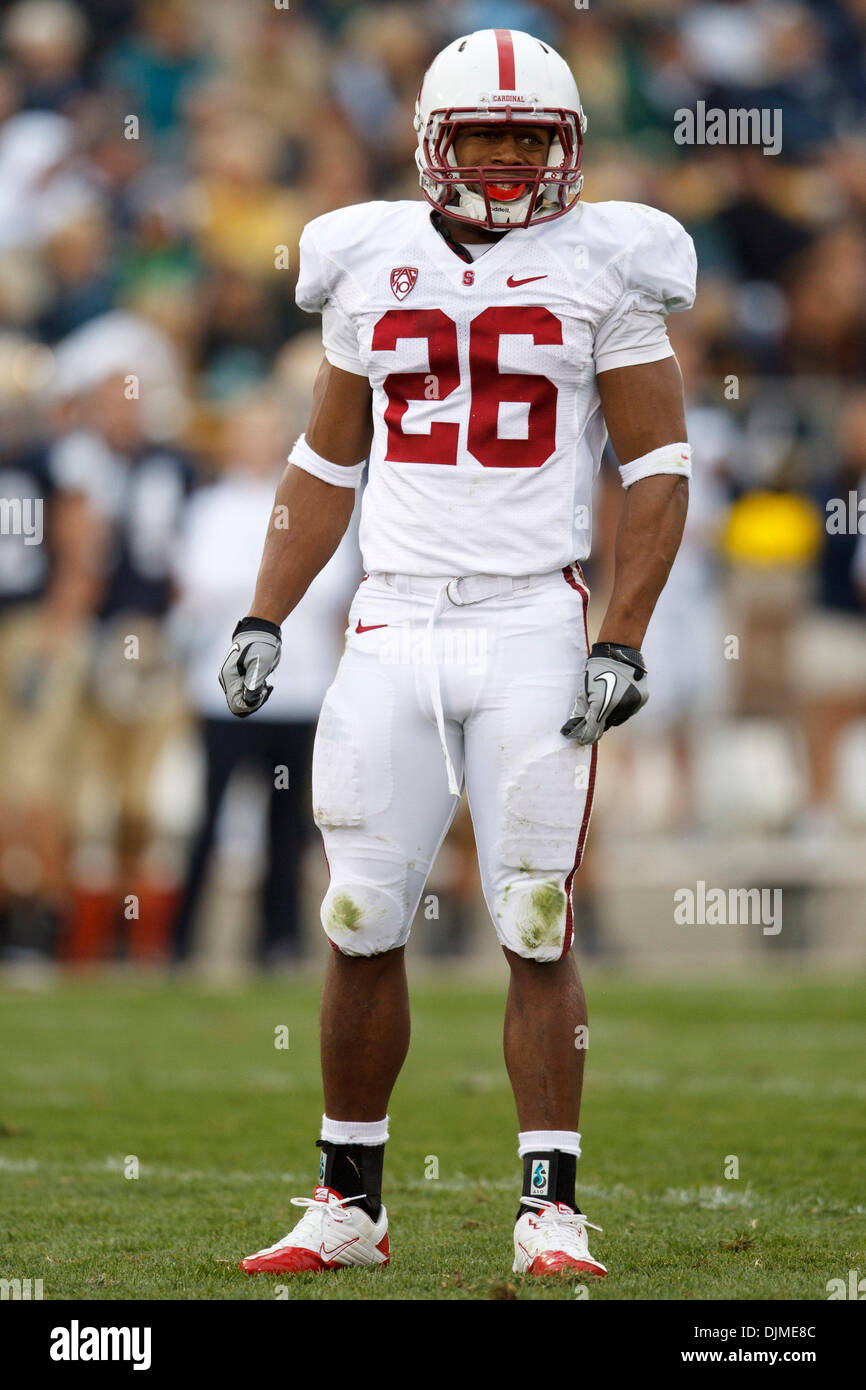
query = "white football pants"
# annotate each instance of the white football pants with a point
(441, 681)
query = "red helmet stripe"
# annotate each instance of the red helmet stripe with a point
(505, 49)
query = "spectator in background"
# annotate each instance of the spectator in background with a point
(47, 588)
(45, 40)
(243, 213)
(78, 258)
(831, 647)
(826, 332)
(137, 488)
(216, 562)
(158, 62)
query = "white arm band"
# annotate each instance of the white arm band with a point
(341, 475)
(670, 458)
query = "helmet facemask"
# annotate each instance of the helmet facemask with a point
(476, 194)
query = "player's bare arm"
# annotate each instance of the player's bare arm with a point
(645, 416)
(316, 513)
(644, 410)
(308, 522)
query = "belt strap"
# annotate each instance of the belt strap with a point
(474, 588)
(462, 589)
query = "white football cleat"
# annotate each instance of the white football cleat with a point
(552, 1240)
(330, 1235)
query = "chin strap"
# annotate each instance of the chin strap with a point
(436, 219)
(475, 206)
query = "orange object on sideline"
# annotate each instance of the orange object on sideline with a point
(89, 935)
(148, 934)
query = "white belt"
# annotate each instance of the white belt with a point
(471, 588)
(459, 591)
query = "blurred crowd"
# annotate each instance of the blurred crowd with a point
(158, 159)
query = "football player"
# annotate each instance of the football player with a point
(478, 347)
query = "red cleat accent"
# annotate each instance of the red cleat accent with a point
(557, 1262)
(292, 1260)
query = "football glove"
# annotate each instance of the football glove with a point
(614, 688)
(254, 655)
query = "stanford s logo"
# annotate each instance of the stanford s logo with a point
(403, 279)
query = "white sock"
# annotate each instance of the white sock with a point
(354, 1131)
(533, 1141)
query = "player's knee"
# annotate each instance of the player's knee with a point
(362, 919)
(532, 917)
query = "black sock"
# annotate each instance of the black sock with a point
(550, 1176)
(353, 1170)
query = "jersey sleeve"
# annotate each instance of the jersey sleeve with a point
(317, 292)
(660, 281)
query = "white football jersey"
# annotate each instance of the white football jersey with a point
(488, 429)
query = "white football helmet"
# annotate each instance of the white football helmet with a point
(498, 76)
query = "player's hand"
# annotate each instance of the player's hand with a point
(254, 655)
(614, 688)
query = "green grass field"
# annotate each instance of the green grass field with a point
(188, 1080)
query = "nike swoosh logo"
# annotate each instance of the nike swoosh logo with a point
(371, 628)
(513, 284)
(329, 1254)
(610, 683)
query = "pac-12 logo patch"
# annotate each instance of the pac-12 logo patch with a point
(403, 279)
(541, 1177)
